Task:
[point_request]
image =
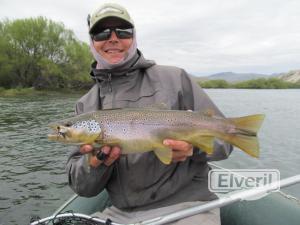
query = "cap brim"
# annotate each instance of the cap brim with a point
(101, 23)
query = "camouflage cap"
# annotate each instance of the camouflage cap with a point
(109, 10)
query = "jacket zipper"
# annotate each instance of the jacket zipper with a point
(109, 82)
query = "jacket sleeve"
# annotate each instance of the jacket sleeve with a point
(85, 180)
(194, 98)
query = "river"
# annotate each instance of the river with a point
(32, 175)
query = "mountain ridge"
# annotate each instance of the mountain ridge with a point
(292, 76)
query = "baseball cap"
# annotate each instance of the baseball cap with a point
(109, 10)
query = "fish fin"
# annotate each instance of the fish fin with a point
(248, 144)
(205, 143)
(202, 140)
(209, 113)
(87, 159)
(164, 154)
(250, 124)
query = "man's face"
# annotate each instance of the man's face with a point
(113, 50)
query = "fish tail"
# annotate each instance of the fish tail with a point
(246, 130)
(248, 144)
(248, 124)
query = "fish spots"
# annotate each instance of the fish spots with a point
(109, 128)
(170, 120)
(92, 126)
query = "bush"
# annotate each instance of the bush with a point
(261, 83)
(37, 52)
(214, 84)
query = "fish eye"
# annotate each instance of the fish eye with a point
(68, 124)
(58, 127)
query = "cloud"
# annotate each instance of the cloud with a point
(202, 37)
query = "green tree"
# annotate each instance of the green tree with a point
(38, 52)
(214, 84)
(262, 83)
(6, 66)
(78, 63)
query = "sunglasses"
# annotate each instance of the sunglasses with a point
(120, 32)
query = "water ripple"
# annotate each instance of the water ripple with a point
(33, 179)
(32, 168)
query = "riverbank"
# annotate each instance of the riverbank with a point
(16, 92)
(261, 83)
(272, 83)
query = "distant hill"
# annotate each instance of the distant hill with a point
(231, 77)
(235, 77)
(199, 79)
(292, 76)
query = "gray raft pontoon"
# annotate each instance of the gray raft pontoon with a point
(276, 208)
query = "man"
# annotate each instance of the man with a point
(139, 185)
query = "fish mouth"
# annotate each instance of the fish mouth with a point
(59, 132)
(57, 136)
(54, 137)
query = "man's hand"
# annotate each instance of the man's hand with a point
(113, 153)
(181, 149)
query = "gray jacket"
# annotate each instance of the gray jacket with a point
(141, 181)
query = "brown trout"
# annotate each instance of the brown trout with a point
(142, 130)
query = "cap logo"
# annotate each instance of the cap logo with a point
(109, 10)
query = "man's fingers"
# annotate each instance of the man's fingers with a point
(86, 149)
(179, 145)
(106, 149)
(180, 149)
(179, 159)
(94, 162)
(110, 154)
(177, 154)
(113, 155)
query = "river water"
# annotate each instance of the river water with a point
(32, 175)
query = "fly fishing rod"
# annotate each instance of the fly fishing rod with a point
(227, 200)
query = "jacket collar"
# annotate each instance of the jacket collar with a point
(136, 63)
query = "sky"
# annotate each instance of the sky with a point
(203, 37)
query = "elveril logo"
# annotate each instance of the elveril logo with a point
(220, 181)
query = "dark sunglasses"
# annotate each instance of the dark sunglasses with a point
(120, 32)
